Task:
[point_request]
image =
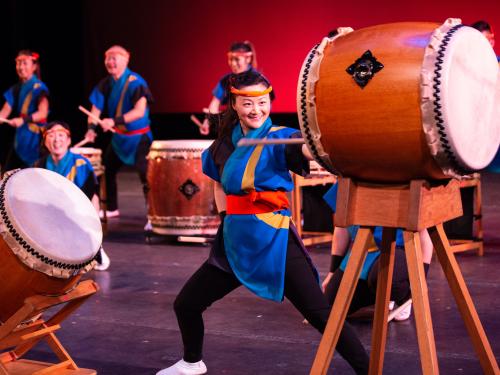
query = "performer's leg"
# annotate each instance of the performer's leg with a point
(141, 163)
(362, 295)
(206, 286)
(112, 163)
(303, 291)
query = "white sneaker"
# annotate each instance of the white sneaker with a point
(404, 314)
(184, 368)
(105, 262)
(109, 214)
(148, 227)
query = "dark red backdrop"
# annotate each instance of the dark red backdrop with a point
(180, 46)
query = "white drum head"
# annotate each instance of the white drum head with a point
(55, 227)
(469, 91)
(86, 150)
(460, 99)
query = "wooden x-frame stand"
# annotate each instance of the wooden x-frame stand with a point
(21, 337)
(412, 207)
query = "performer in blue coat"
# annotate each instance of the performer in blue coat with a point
(241, 57)
(27, 102)
(256, 245)
(123, 98)
(76, 168)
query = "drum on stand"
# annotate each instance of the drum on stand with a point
(181, 198)
(402, 101)
(49, 235)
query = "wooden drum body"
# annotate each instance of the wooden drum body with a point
(402, 101)
(181, 198)
(49, 235)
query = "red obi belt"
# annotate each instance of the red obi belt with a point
(123, 130)
(256, 202)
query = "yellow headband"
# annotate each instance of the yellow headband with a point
(251, 93)
(55, 129)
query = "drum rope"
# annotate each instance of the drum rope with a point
(437, 101)
(303, 112)
(20, 240)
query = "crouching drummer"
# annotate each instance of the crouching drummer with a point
(76, 168)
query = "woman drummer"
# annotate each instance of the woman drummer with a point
(28, 104)
(76, 168)
(241, 57)
(256, 245)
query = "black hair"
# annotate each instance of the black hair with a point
(481, 26)
(51, 124)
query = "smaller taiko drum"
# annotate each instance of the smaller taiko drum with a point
(49, 235)
(94, 155)
(181, 198)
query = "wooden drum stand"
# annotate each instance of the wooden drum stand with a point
(411, 207)
(25, 328)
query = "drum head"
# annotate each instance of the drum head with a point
(469, 94)
(47, 214)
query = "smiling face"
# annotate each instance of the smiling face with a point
(57, 141)
(239, 62)
(252, 111)
(25, 67)
(116, 61)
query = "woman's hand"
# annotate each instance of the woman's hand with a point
(325, 282)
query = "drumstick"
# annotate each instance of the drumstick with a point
(93, 117)
(196, 121)
(287, 141)
(7, 121)
(82, 142)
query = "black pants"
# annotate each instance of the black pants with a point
(366, 290)
(113, 163)
(210, 284)
(13, 161)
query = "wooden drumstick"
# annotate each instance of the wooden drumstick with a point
(288, 141)
(196, 121)
(93, 117)
(82, 142)
(6, 121)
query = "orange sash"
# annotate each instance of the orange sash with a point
(256, 202)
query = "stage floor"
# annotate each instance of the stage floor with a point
(129, 327)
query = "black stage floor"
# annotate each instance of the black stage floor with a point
(129, 327)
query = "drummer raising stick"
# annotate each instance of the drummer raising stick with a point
(123, 97)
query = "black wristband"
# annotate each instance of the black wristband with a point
(93, 126)
(119, 120)
(335, 262)
(29, 118)
(222, 215)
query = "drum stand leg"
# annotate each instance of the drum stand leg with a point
(413, 208)
(20, 334)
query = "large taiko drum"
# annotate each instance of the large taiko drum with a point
(94, 155)
(402, 101)
(49, 235)
(181, 198)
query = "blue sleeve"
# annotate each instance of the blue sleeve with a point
(97, 99)
(209, 167)
(9, 97)
(218, 91)
(330, 197)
